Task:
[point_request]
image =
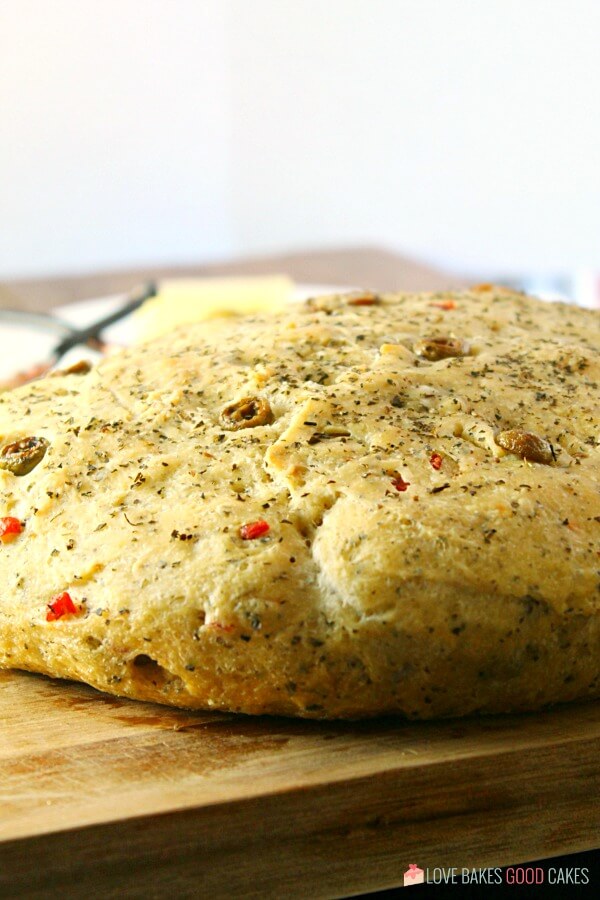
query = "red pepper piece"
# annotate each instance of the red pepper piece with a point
(220, 626)
(364, 300)
(436, 461)
(61, 605)
(400, 484)
(10, 528)
(446, 304)
(253, 530)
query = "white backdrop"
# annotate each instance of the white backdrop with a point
(464, 132)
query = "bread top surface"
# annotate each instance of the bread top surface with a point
(377, 469)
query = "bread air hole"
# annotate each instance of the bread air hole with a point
(144, 669)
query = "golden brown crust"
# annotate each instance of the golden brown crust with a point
(433, 517)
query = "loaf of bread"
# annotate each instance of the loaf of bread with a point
(360, 505)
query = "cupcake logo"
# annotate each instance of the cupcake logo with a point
(413, 875)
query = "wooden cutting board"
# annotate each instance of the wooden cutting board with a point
(101, 797)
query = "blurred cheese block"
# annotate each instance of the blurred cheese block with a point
(184, 300)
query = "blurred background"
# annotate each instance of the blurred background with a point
(462, 134)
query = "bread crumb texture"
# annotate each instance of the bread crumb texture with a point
(361, 505)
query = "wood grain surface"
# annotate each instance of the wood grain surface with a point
(102, 797)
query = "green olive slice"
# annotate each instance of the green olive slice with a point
(22, 456)
(527, 445)
(436, 348)
(247, 413)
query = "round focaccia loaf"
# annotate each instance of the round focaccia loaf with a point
(364, 504)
